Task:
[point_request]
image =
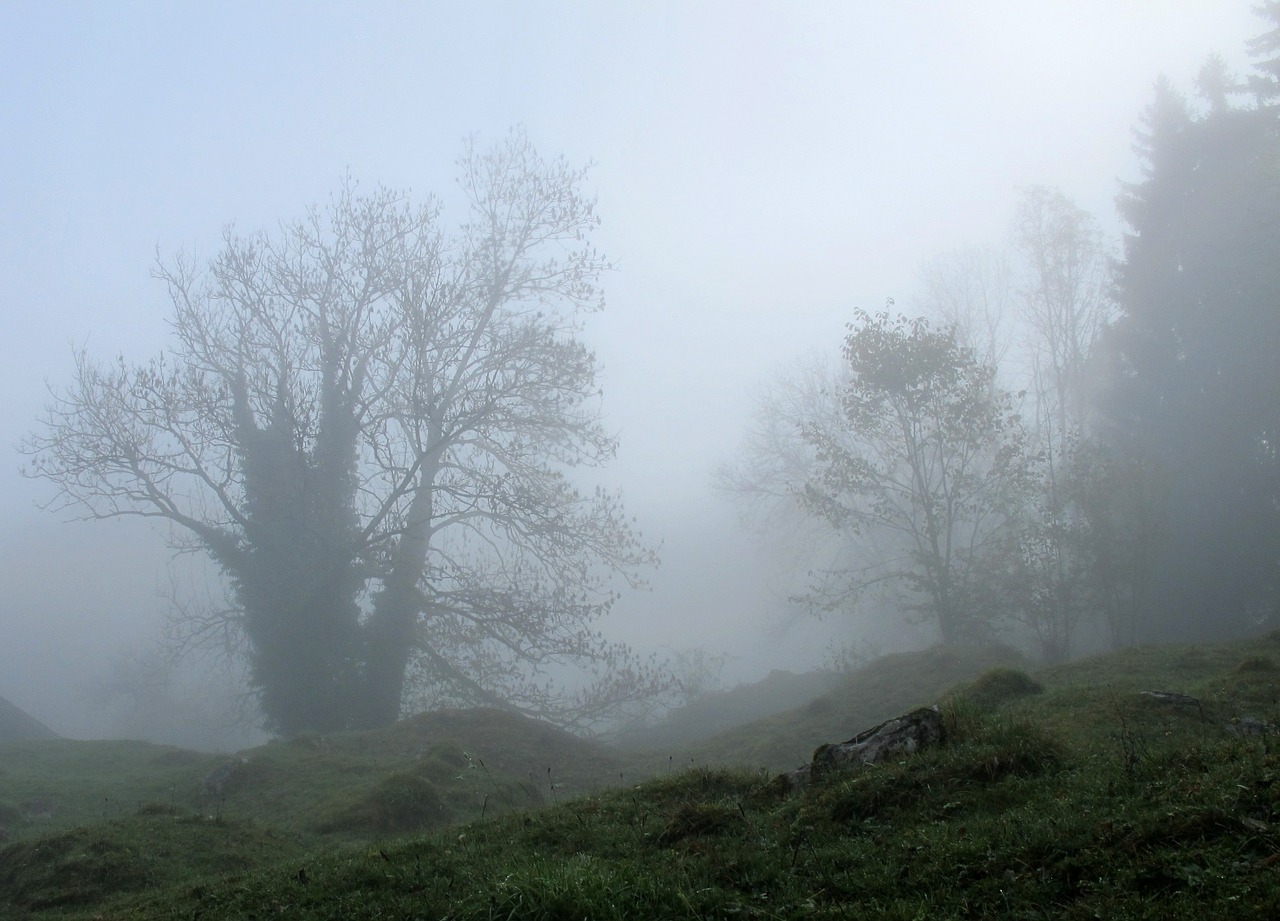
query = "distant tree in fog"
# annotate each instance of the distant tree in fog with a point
(1063, 305)
(1264, 83)
(915, 464)
(143, 692)
(774, 456)
(1039, 308)
(765, 480)
(972, 291)
(366, 422)
(1039, 312)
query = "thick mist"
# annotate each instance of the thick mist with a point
(760, 172)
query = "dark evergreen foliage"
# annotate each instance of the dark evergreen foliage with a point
(1193, 382)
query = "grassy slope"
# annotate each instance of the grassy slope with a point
(881, 690)
(312, 786)
(718, 711)
(51, 785)
(1086, 800)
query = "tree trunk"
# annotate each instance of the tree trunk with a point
(389, 633)
(389, 636)
(298, 583)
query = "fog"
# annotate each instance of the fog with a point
(761, 170)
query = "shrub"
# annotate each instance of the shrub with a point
(999, 686)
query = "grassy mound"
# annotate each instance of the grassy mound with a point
(157, 846)
(998, 686)
(439, 789)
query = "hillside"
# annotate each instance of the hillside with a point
(1064, 792)
(868, 695)
(16, 725)
(719, 711)
(430, 770)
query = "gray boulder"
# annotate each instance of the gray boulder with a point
(903, 735)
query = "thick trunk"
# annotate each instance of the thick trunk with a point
(948, 628)
(301, 657)
(389, 636)
(297, 588)
(389, 632)
(298, 581)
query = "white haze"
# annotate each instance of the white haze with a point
(762, 169)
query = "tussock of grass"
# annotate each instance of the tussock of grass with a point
(998, 686)
(702, 820)
(401, 803)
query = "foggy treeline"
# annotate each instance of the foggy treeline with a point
(1073, 445)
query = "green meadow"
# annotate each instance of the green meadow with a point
(1062, 792)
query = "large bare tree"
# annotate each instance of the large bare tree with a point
(369, 423)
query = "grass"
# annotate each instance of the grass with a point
(881, 690)
(52, 785)
(321, 789)
(1063, 793)
(159, 845)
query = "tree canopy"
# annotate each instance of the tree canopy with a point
(941, 497)
(923, 457)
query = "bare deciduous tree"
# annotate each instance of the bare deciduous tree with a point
(1065, 307)
(368, 424)
(1066, 303)
(972, 290)
(774, 456)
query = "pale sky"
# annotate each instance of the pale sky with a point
(761, 168)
